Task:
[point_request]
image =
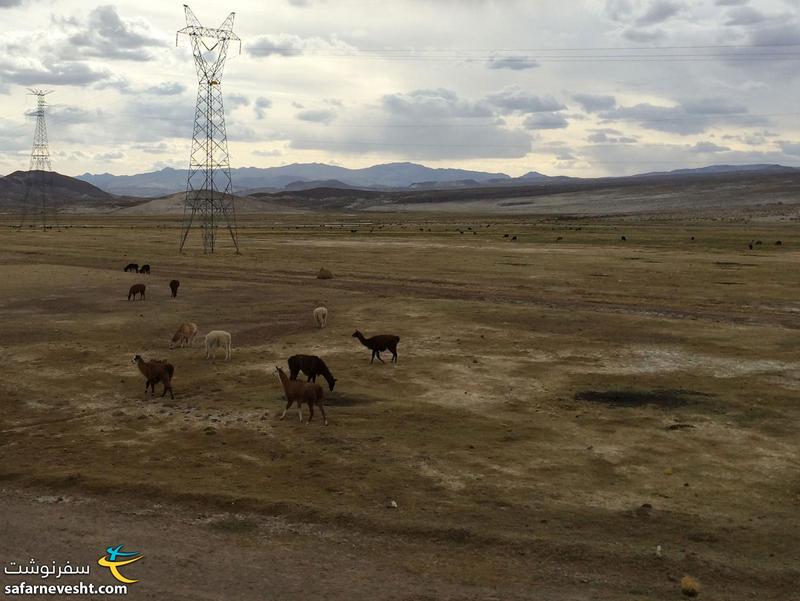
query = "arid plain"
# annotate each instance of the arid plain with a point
(573, 416)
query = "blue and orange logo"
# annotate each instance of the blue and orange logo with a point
(115, 558)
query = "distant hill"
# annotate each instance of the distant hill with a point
(721, 169)
(390, 176)
(65, 192)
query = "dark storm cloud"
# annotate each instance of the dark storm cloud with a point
(166, 88)
(660, 11)
(592, 103)
(538, 121)
(688, 117)
(324, 116)
(708, 148)
(106, 35)
(514, 63)
(610, 136)
(744, 15)
(517, 100)
(261, 105)
(433, 124)
(276, 45)
(51, 73)
(433, 103)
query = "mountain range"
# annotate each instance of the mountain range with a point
(390, 176)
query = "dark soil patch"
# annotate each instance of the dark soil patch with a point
(347, 400)
(666, 399)
(733, 264)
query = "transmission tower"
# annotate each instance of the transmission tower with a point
(209, 190)
(40, 171)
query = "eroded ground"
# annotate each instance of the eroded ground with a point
(560, 408)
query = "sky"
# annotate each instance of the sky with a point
(582, 88)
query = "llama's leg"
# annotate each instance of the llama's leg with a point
(310, 412)
(300, 410)
(378, 355)
(322, 410)
(228, 351)
(288, 404)
(373, 358)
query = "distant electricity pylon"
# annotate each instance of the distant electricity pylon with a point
(209, 188)
(40, 156)
(40, 170)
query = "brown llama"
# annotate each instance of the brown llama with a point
(312, 366)
(300, 392)
(145, 269)
(154, 372)
(136, 289)
(134, 267)
(173, 286)
(185, 335)
(378, 344)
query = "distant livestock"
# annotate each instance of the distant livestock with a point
(134, 267)
(378, 344)
(513, 238)
(779, 243)
(145, 269)
(173, 286)
(215, 340)
(623, 238)
(320, 316)
(758, 243)
(300, 392)
(312, 366)
(136, 289)
(154, 372)
(185, 335)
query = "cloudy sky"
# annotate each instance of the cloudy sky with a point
(585, 87)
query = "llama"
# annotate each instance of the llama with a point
(154, 372)
(321, 316)
(136, 289)
(173, 286)
(215, 340)
(312, 366)
(300, 392)
(134, 267)
(145, 269)
(378, 344)
(185, 335)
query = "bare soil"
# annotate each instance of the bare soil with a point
(560, 407)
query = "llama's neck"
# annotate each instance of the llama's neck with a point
(360, 336)
(326, 373)
(284, 380)
(140, 365)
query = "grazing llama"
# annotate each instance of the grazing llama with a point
(218, 339)
(173, 286)
(185, 335)
(301, 392)
(312, 366)
(145, 269)
(378, 344)
(136, 289)
(134, 267)
(154, 372)
(321, 316)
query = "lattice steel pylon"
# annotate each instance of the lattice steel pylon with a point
(40, 170)
(209, 188)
